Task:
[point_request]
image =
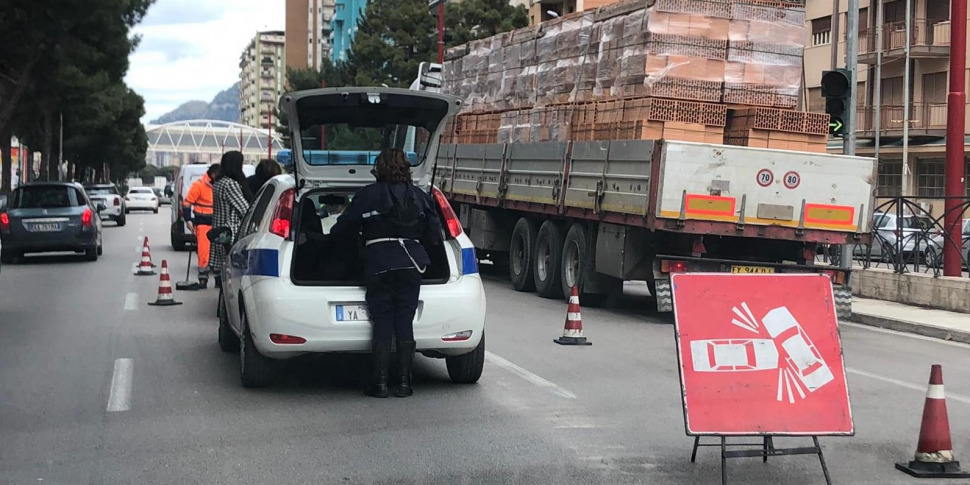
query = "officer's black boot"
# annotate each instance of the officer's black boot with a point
(218, 282)
(203, 283)
(380, 357)
(405, 356)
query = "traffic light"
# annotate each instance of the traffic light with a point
(837, 91)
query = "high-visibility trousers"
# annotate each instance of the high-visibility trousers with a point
(202, 249)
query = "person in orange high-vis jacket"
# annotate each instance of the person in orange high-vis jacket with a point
(197, 211)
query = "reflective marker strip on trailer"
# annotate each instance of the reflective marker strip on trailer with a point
(709, 205)
(837, 215)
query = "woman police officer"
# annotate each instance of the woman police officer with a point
(397, 221)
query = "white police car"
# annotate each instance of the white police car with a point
(286, 293)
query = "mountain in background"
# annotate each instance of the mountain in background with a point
(224, 107)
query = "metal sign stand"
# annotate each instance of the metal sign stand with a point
(764, 449)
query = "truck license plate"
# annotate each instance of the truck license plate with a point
(352, 313)
(751, 269)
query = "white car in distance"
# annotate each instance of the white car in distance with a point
(141, 198)
(290, 289)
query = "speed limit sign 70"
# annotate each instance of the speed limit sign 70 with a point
(765, 177)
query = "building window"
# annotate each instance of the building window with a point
(890, 178)
(930, 177)
(822, 31)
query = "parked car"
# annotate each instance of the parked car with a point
(162, 198)
(141, 198)
(278, 299)
(114, 204)
(934, 251)
(181, 237)
(909, 233)
(50, 216)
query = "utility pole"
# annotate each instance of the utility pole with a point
(906, 112)
(877, 86)
(852, 65)
(269, 144)
(60, 148)
(835, 34)
(441, 32)
(955, 127)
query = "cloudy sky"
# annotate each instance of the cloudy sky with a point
(190, 48)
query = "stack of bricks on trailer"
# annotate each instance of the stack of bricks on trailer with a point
(639, 69)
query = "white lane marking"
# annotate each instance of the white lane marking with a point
(904, 334)
(916, 387)
(131, 301)
(519, 371)
(120, 397)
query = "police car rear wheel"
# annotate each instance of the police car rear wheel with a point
(228, 341)
(255, 370)
(467, 369)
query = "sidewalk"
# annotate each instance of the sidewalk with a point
(912, 319)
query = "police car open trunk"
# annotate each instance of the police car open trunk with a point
(321, 260)
(336, 135)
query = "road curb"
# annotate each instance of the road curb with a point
(923, 329)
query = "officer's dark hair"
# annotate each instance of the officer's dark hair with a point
(232, 163)
(392, 167)
(214, 170)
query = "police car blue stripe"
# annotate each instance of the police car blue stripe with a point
(263, 262)
(469, 262)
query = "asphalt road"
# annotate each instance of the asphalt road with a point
(98, 387)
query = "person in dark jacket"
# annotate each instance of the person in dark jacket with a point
(265, 170)
(397, 221)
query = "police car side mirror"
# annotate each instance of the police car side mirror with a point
(220, 235)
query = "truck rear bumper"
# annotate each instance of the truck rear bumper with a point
(664, 265)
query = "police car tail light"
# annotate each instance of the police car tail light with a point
(284, 213)
(87, 217)
(457, 337)
(451, 220)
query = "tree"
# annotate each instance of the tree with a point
(470, 20)
(392, 39)
(56, 58)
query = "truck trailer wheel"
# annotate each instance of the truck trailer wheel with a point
(548, 260)
(577, 270)
(521, 252)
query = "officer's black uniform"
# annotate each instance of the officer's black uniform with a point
(394, 260)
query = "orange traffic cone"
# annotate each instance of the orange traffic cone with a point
(572, 333)
(149, 246)
(145, 267)
(165, 297)
(934, 451)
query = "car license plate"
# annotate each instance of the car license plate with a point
(751, 269)
(51, 227)
(352, 313)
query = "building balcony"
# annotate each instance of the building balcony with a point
(928, 40)
(925, 119)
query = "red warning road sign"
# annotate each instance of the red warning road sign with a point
(760, 354)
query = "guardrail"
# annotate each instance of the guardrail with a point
(908, 238)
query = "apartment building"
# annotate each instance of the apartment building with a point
(922, 160)
(309, 36)
(262, 77)
(344, 24)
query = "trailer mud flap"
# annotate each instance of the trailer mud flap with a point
(665, 296)
(843, 301)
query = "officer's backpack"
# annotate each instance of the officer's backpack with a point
(404, 216)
